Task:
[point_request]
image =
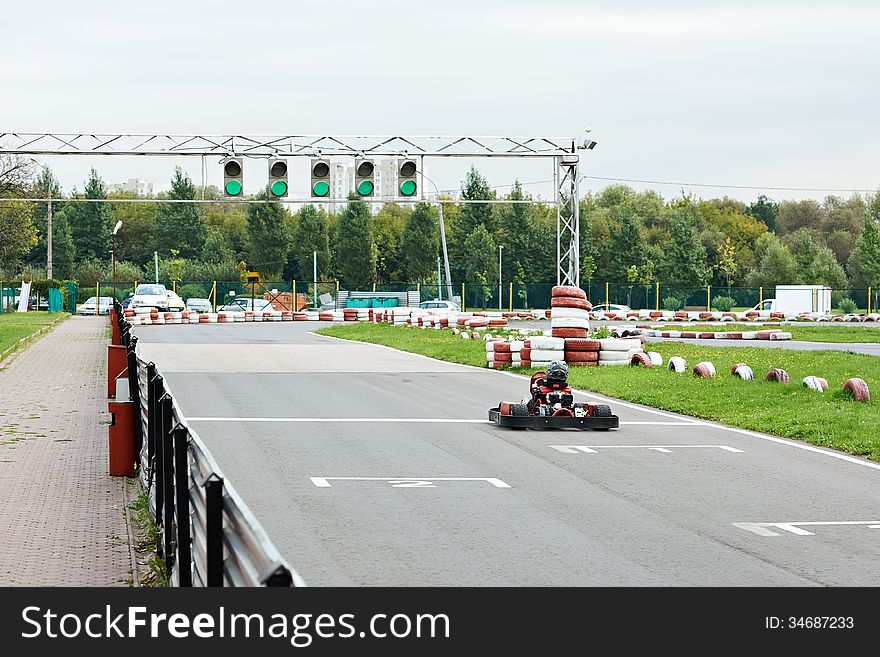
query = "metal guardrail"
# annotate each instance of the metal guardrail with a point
(207, 534)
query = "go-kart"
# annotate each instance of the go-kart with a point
(552, 406)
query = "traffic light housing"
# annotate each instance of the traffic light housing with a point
(278, 183)
(364, 183)
(320, 170)
(233, 176)
(406, 177)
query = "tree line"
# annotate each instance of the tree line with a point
(627, 237)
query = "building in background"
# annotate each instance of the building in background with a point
(140, 187)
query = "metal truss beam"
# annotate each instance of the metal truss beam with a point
(568, 230)
(22, 143)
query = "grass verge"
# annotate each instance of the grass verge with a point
(147, 538)
(830, 333)
(15, 327)
(829, 419)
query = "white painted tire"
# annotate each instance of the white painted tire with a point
(570, 322)
(614, 344)
(677, 364)
(815, 383)
(744, 372)
(605, 363)
(547, 355)
(624, 356)
(704, 370)
(656, 359)
(568, 313)
(547, 342)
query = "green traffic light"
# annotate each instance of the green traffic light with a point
(279, 188)
(408, 187)
(365, 188)
(321, 188)
(233, 188)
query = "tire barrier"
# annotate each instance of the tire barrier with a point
(582, 344)
(815, 383)
(704, 370)
(640, 359)
(569, 332)
(677, 364)
(735, 366)
(778, 375)
(656, 359)
(570, 302)
(857, 388)
(744, 372)
(567, 291)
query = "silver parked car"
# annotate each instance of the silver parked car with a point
(88, 306)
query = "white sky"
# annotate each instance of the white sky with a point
(749, 93)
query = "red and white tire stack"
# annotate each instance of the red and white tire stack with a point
(618, 351)
(540, 351)
(569, 312)
(581, 352)
(498, 354)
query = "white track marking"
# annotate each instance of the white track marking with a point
(665, 449)
(407, 482)
(713, 425)
(427, 420)
(766, 528)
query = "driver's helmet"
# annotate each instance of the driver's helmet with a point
(557, 372)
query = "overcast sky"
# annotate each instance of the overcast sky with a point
(741, 93)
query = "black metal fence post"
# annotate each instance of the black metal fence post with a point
(134, 393)
(181, 480)
(163, 424)
(214, 529)
(167, 449)
(151, 419)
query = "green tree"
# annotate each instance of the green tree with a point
(356, 263)
(816, 264)
(44, 186)
(181, 226)
(470, 215)
(765, 210)
(626, 248)
(727, 264)
(864, 263)
(17, 234)
(265, 222)
(776, 265)
(684, 257)
(481, 264)
(419, 244)
(216, 251)
(386, 229)
(91, 222)
(516, 229)
(309, 237)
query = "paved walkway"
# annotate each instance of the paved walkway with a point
(62, 517)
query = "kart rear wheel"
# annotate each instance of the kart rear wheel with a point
(519, 410)
(602, 410)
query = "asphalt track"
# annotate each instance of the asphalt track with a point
(369, 466)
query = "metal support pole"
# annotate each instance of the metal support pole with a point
(462, 298)
(315, 279)
(181, 472)
(500, 295)
(49, 233)
(510, 296)
(97, 296)
(214, 293)
(439, 281)
(156, 264)
(214, 530)
(113, 255)
(568, 266)
(445, 253)
(760, 297)
(657, 297)
(708, 298)
(168, 522)
(606, 296)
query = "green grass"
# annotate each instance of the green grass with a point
(15, 326)
(830, 333)
(829, 419)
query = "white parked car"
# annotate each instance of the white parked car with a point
(151, 295)
(199, 305)
(439, 304)
(174, 301)
(241, 304)
(611, 308)
(88, 306)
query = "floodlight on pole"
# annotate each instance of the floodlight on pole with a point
(113, 255)
(442, 237)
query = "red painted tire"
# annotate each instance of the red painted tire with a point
(501, 347)
(581, 356)
(704, 370)
(504, 408)
(640, 359)
(503, 358)
(688, 334)
(733, 368)
(778, 375)
(578, 363)
(857, 388)
(570, 302)
(525, 354)
(567, 291)
(582, 344)
(708, 335)
(569, 332)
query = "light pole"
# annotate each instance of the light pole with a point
(442, 240)
(115, 230)
(500, 248)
